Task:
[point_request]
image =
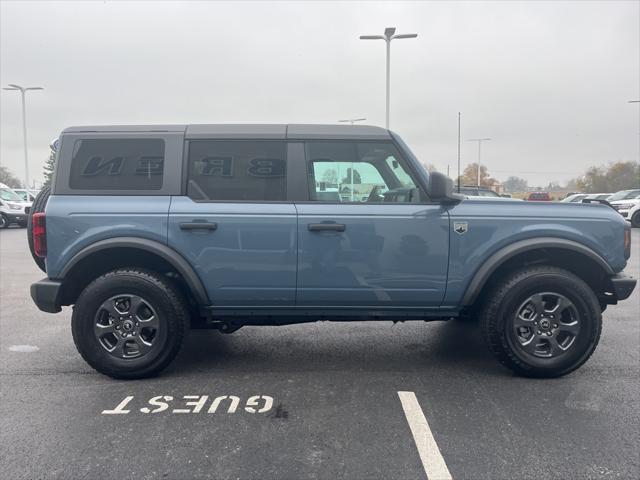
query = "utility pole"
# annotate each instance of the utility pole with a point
(479, 140)
(23, 91)
(458, 152)
(389, 34)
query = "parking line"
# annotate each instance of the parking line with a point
(432, 461)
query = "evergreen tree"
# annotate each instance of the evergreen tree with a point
(49, 165)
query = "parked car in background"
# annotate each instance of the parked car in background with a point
(629, 209)
(624, 195)
(484, 193)
(574, 197)
(26, 195)
(475, 191)
(539, 197)
(598, 196)
(13, 209)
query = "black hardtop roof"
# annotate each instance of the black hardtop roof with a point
(253, 131)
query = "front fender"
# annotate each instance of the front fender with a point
(494, 261)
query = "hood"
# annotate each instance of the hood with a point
(493, 199)
(594, 225)
(536, 211)
(631, 201)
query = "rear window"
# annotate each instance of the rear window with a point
(236, 170)
(117, 164)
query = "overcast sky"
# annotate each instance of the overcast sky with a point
(549, 82)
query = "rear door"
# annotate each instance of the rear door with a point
(368, 236)
(235, 225)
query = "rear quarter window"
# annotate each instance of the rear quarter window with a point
(117, 164)
(221, 170)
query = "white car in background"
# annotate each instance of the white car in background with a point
(624, 195)
(598, 196)
(629, 208)
(26, 195)
(484, 193)
(13, 209)
(575, 197)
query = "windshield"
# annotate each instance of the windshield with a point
(9, 195)
(624, 195)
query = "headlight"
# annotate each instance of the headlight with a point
(14, 206)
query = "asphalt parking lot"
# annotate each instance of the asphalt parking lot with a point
(335, 410)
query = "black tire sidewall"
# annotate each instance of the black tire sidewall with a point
(170, 332)
(635, 219)
(4, 222)
(589, 318)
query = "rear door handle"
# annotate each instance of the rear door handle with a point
(195, 225)
(326, 227)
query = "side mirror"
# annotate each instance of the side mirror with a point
(441, 188)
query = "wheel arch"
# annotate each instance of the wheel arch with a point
(556, 251)
(119, 252)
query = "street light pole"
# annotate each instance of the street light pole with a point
(23, 91)
(479, 140)
(389, 34)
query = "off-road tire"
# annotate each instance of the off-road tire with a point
(635, 220)
(166, 301)
(506, 298)
(38, 205)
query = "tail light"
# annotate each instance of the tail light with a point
(627, 242)
(39, 230)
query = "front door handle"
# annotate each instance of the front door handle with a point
(326, 227)
(196, 225)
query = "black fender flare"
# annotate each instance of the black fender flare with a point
(168, 254)
(498, 258)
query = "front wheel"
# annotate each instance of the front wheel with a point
(542, 322)
(4, 223)
(635, 219)
(129, 323)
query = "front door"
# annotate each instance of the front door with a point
(234, 226)
(368, 237)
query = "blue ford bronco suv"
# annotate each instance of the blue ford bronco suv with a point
(149, 231)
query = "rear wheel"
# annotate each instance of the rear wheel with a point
(38, 205)
(542, 322)
(129, 323)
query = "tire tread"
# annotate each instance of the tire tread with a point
(181, 323)
(495, 337)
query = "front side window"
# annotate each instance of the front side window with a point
(237, 170)
(117, 164)
(366, 172)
